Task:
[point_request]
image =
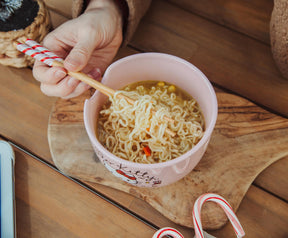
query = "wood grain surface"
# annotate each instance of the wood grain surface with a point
(45, 209)
(249, 17)
(228, 58)
(19, 90)
(28, 129)
(240, 66)
(246, 140)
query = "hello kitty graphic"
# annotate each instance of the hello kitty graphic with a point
(130, 176)
(122, 174)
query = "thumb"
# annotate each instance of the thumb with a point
(80, 54)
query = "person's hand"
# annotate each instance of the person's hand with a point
(87, 43)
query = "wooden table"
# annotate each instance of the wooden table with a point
(231, 47)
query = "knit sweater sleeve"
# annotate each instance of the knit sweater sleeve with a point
(279, 35)
(136, 10)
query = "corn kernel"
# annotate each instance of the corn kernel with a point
(171, 89)
(160, 84)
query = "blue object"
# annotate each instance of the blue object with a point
(7, 210)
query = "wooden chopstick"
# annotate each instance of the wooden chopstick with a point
(94, 83)
(88, 80)
(104, 89)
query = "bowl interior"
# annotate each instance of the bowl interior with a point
(159, 67)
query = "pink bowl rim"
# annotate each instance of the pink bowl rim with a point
(204, 139)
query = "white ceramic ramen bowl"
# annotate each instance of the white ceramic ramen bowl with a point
(160, 67)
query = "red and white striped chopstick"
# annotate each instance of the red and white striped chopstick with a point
(37, 51)
(44, 55)
(36, 46)
(210, 197)
(34, 53)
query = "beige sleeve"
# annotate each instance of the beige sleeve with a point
(279, 35)
(137, 9)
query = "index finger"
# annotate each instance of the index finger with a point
(53, 43)
(49, 75)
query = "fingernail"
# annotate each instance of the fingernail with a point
(98, 70)
(72, 82)
(95, 73)
(60, 74)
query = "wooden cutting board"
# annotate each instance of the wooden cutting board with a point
(245, 141)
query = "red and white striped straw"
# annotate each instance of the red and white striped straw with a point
(36, 46)
(167, 231)
(210, 197)
(35, 54)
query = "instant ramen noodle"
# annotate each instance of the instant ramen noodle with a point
(138, 132)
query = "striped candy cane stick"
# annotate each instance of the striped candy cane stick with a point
(225, 206)
(168, 232)
(36, 46)
(35, 54)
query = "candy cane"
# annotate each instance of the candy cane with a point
(168, 231)
(225, 206)
(35, 45)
